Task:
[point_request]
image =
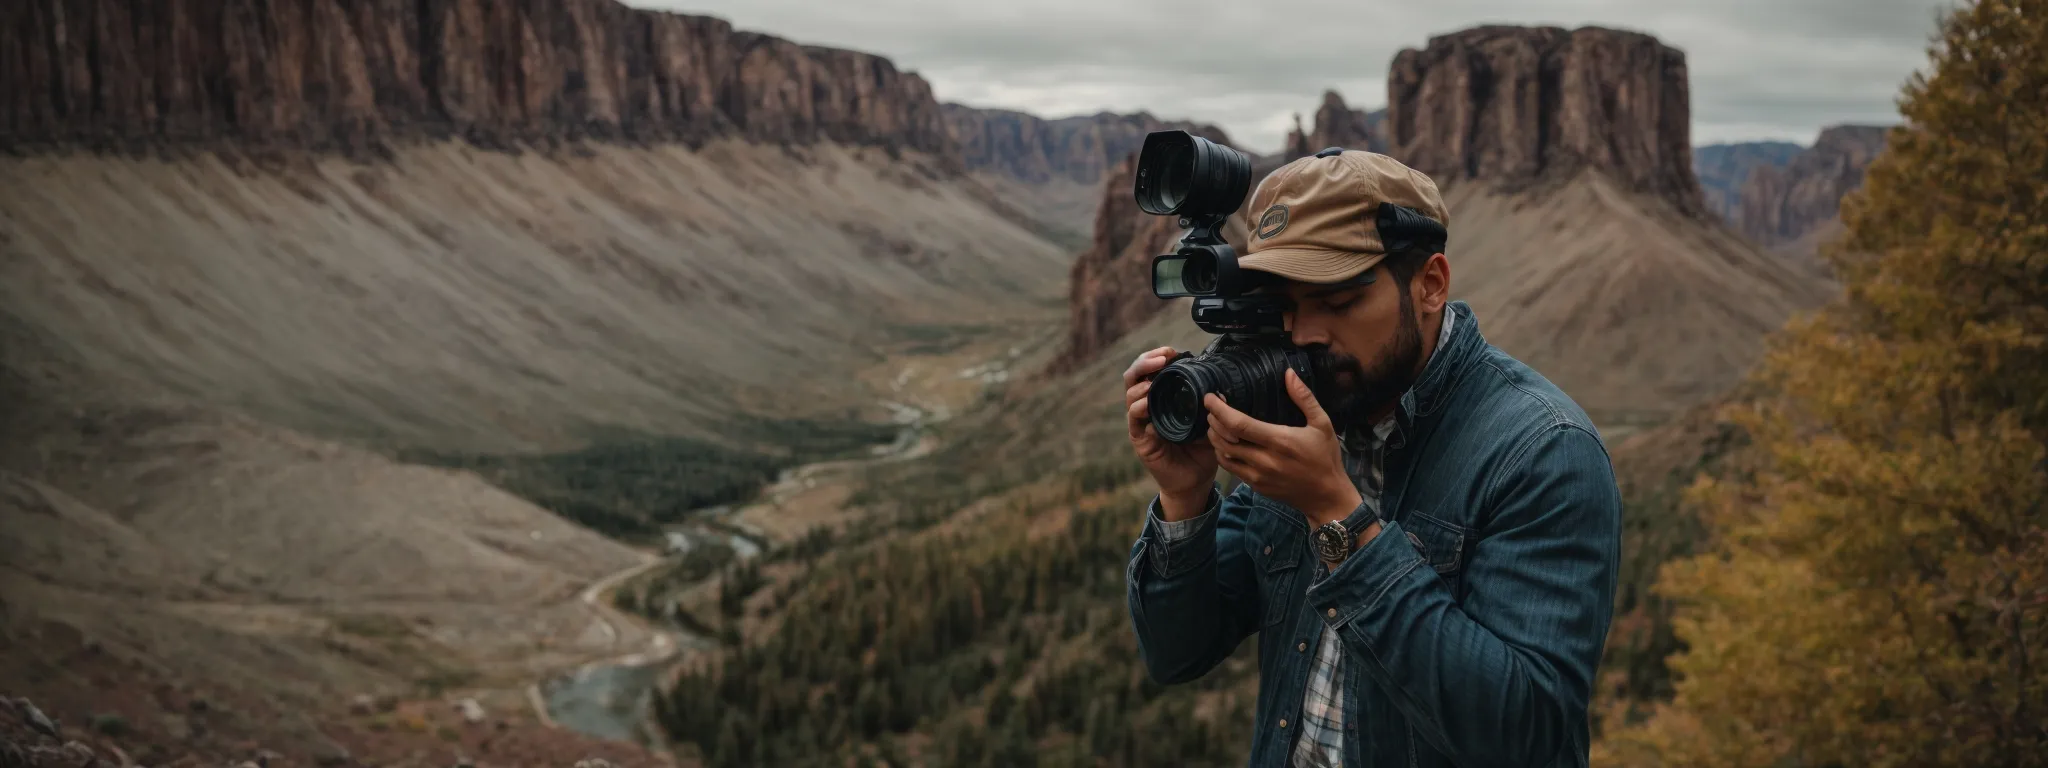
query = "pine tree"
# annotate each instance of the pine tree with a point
(1877, 592)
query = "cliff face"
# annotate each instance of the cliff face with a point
(1032, 149)
(1779, 205)
(1723, 169)
(1338, 125)
(1519, 104)
(342, 74)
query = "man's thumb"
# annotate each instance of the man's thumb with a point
(1306, 400)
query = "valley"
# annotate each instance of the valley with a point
(422, 383)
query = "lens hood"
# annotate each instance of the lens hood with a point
(1181, 173)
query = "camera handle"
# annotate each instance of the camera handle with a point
(1206, 229)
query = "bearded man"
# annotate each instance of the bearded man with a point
(1430, 562)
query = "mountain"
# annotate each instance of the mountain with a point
(1338, 125)
(325, 74)
(1796, 205)
(803, 233)
(1513, 105)
(1723, 169)
(1579, 232)
(332, 334)
(1051, 168)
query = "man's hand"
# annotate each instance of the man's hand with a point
(1302, 467)
(1184, 472)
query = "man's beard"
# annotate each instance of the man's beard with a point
(1350, 392)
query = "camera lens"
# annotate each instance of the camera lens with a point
(1176, 173)
(1177, 412)
(1198, 274)
(1181, 173)
(1250, 375)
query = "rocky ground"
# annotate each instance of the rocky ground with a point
(92, 705)
(383, 734)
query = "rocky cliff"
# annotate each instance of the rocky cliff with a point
(1723, 169)
(1521, 104)
(1338, 125)
(1780, 205)
(356, 74)
(1033, 149)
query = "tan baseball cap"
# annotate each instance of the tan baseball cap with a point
(1316, 219)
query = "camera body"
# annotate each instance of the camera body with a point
(1180, 174)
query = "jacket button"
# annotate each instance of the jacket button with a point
(1332, 613)
(1301, 646)
(1269, 549)
(1283, 722)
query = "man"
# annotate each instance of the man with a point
(1430, 562)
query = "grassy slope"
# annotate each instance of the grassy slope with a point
(209, 366)
(466, 300)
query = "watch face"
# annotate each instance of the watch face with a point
(1333, 543)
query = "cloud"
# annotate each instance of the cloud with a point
(1760, 69)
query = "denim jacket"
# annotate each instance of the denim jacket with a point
(1473, 622)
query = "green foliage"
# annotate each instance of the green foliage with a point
(1004, 647)
(740, 582)
(814, 544)
(653, 594)
(1876, 592)
(1656, 529)
(629, 486)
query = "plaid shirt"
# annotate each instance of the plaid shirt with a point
(1321, 744)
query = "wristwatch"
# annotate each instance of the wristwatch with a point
(1334, 541)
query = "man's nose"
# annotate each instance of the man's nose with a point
(1305, 334)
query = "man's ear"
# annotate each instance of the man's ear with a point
(1432, 286)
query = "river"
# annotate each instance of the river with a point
(613, 698)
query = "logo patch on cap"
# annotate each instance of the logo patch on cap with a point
(1274, 220)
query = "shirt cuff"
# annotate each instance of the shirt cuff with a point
(1179, 546)
(1366, 577)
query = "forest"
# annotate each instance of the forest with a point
(986, 644)
(629, 485)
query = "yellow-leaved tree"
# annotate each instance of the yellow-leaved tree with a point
(1875, 588)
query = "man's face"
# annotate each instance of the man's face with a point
(1365, 342)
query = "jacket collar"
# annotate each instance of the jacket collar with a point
(1440, 374)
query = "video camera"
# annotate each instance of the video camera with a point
(1202, 182)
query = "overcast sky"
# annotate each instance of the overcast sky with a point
(1761, 69)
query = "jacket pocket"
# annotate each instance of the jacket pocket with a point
(1277, 556)
(1440, 543)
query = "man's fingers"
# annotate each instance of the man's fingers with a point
(1140, 417)
(1147, 364)
(1137, 392)
(1239, 426)
(1250, 461)
(1221, 431)
(1228, 461)
(1305, 399)
(1244, 465)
